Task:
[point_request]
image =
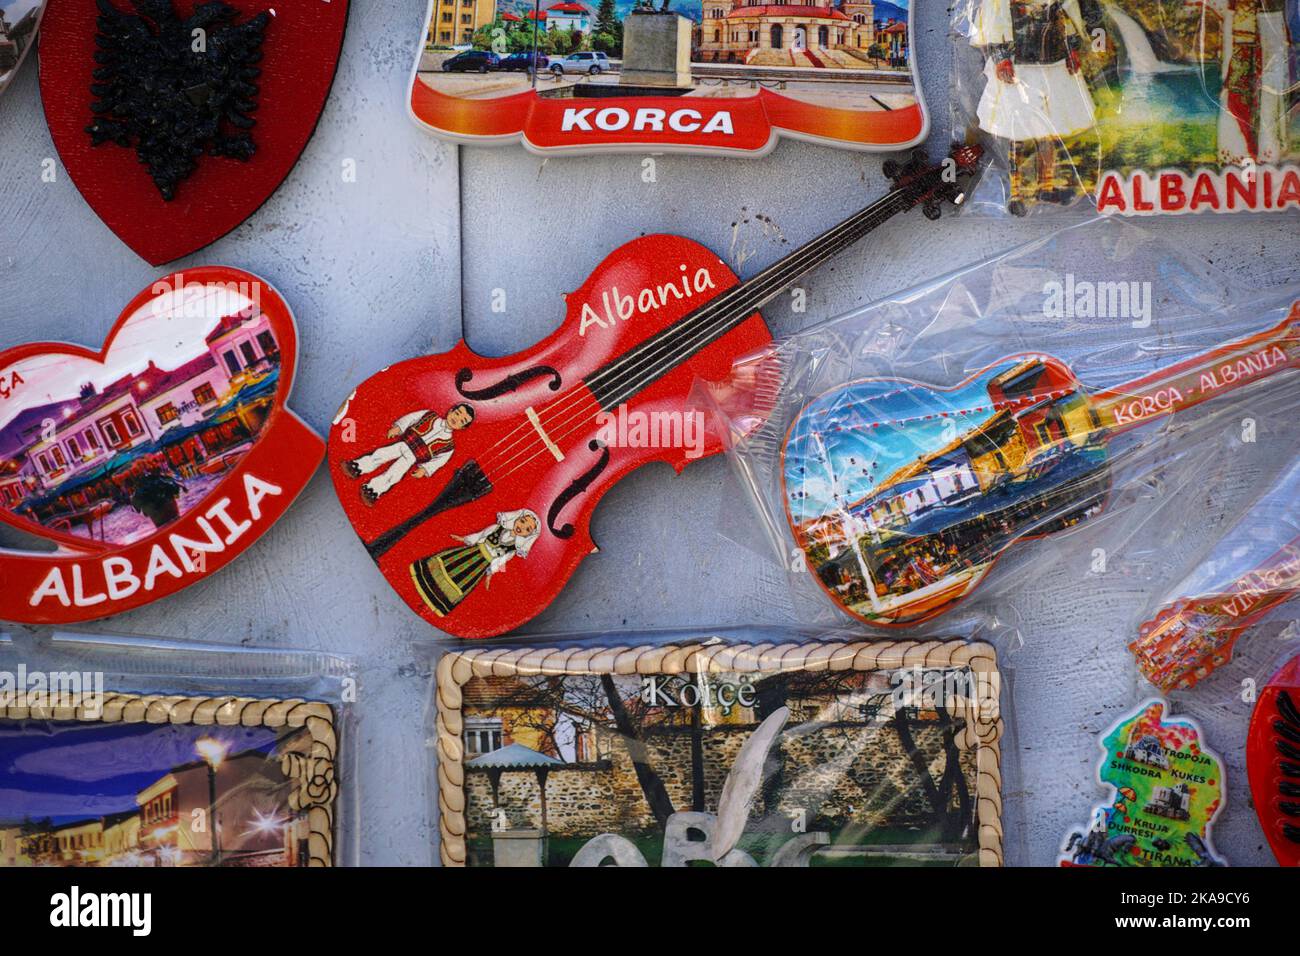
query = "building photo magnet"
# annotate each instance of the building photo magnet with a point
(109, 779)
(726, 76)
(791, 754)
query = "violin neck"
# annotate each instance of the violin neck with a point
(1202, 377)
(623, 377)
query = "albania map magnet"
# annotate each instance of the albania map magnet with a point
(238, 84)
(156, 460)
(727, 76)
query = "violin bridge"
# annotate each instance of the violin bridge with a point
(553, 448)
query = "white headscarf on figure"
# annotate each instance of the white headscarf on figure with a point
(506, 521)
(990, 22)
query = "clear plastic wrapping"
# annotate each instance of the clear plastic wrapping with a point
(131, 751)
(1133, 107)
(926, 438)
(754, 746)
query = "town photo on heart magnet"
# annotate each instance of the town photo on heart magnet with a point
(155, 461)
(1166, 789)
(236, 86)
(728, 76)
(19, 21)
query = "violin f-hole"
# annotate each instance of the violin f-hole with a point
(510, 383)
(576, 487)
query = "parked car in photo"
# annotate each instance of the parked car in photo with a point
(581, 62)
(519, 61)
(472, 61)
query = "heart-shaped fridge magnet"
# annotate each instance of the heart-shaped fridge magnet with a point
(19, 21)
(155, 461)
(237, 85)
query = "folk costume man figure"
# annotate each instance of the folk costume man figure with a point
(446, 578)
(1037, 98)
(425, 443)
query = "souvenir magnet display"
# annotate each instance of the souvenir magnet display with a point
(1166, 790)
(472, 481)
(792, 754)
(155, 461)
(1146, 107)
(1273, 762)
(236, 86)
(902, 496)
(129, 780)
(19, 21)
(558, 76)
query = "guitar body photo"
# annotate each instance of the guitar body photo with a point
(902, 495)
(472, 481)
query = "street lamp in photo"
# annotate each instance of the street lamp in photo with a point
(537, 19)
(213, 752)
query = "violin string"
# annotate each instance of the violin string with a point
(704, 328)
(867, 219)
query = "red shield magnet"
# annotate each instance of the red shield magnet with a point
(156, 460)
(238, 86)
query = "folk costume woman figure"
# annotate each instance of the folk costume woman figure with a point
(1036, 96)
(1256, 69)
(446, 578)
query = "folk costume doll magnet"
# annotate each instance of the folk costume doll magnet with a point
(472, 481)
(730, 77)
(156, 460)
(730, 754)
(114, 779)
(903, 495)
(1166, 790)
(1138, 106)
(1273, 762)
(237, 86)
(19, 21)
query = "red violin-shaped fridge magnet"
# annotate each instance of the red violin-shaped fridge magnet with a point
(155, 461)
(902, 495)
(236, 88)
(472, 481)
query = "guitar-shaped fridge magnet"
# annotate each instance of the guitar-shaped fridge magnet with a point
(1253, 569)
(902, 496)
(472, 481)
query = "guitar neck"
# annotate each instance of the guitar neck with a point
(1202, 377)
(623, 377)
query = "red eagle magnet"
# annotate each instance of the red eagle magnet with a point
(237, 86)
(156, 460)
(1273, 762)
